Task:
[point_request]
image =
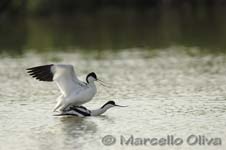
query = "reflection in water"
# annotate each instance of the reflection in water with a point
(75, 130)
(75, 126)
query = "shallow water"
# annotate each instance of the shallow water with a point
(167, 64)
(174, 91)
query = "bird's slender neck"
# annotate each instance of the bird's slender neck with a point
(99, 111)
(92, 84)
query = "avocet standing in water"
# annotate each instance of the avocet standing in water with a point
(74, 92)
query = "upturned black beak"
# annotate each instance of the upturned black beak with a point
(103, 83)
(120, 105)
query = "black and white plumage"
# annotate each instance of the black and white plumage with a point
(74, 92)
(41, 73)
(81, 111)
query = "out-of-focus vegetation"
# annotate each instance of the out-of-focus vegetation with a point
(70, 7)
(50, 25)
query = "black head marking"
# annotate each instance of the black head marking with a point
(92, 74)
(109, 102)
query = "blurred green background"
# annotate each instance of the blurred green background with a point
(68, 25)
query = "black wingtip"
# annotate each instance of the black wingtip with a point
(29, 69)
(39, 67)
(41, 73)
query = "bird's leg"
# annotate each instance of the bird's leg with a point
(66, 108)
(58, 105)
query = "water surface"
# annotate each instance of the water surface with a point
(169, 92)
(167, 65)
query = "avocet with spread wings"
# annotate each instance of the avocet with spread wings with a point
(74, 92)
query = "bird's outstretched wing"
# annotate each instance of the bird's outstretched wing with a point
(63, 75)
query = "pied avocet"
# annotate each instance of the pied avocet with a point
(74, 92)
(82, 111)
